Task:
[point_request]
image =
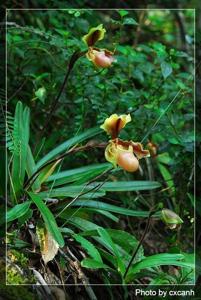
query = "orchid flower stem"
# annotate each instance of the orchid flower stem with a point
(75, 56)
(152, 212)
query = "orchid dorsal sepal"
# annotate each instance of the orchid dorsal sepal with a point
(94, 35)
(152, 148)
(115, 123)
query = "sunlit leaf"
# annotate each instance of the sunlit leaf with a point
(41, 94)
(93, 264)
(123, 12)
(47, 171)
(166, 69)
(129, 21)
(73, 191)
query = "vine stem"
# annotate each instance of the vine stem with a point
(152, 212)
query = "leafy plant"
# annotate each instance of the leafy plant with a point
(85, 202)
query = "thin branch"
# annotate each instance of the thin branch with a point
(18, 90)
(75, 265)
(140, 243)
(152, 94)
(161, 115)
(139, 28)
(76, 55)
(179, 20)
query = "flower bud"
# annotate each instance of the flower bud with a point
(152, 149)
(170, 218)
(128, 161)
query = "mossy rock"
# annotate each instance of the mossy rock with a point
(17, 271)
(14, 292)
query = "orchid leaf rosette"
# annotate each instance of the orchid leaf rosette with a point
(101, 58)
(125, 154)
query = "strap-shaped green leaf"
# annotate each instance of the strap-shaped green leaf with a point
(114, 208)
(20, 140)
(82, 174)
(93, 264)
(17, 211)
(123, 186)
(158, 260)
(48, 218)
(30, 169)
(89, 247)
(73, 191)
(104, 235)
(69, 143)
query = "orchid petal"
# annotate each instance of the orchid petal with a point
(139, 151)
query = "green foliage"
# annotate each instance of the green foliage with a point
(166, 69)
(48, 219)
(20, 137)
(17, 211)
(81, 175)
(14, 277)
(89, 247)
(17, 261)
(112, 208)
(41, 94)
(93, 264)
(128, 186)
(30, 168)
(19, 257)
(98, 214)
(158, 260)
(69, 143)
